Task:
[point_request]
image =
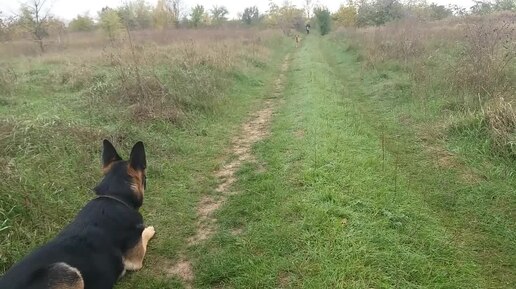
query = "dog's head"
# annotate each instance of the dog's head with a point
(125, 180)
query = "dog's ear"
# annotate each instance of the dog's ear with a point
(138, 160)
(109, 154)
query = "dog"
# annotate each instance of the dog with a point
(106, 238)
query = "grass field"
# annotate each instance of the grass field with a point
(352, 198)
(345, 186)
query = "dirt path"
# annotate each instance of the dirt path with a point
(251, 132)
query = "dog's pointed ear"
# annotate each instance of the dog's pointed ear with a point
(138, 160)
(109, 154)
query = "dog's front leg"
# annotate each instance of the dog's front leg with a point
(133, 259)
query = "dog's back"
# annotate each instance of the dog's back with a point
(103, 240)
(88, 251)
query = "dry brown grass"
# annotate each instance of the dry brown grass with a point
(74, 42)
(162, 82)
(468, 64)
(501, 119)
(404, 40)
(485, 66)
(147, 74)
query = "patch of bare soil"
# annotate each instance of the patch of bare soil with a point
(183, 269)
(252, 131)
(284, 279)
(443, 158)
(300, 134)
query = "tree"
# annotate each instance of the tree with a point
(9, 27)
(198, 16)
(218, 14)
(438, 12)
(126, 15)
(82, 23)
(3, 27)
(505, 5)
(56, 27)
(251, 15)
(34, 18)
(176, 9)
(378, 12)
(286, 17)
(136, 14)
(142, 14)
(110, 23)
(162, 16)
(457, 10)
(309, 6)
(482, 8)
(346, 15)
(323, 18)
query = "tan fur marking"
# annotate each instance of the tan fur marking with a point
(106, 169)
(133, 259)
(137, 184)
(64, 276)
(77, 285)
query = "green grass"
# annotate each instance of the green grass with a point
(333, 210)
(348, 190)
(50, 141)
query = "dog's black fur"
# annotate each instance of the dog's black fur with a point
(88, 253)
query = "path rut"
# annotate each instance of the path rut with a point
(252, 131)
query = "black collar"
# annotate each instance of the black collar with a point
(116, 199)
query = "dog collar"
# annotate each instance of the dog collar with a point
(116, 199)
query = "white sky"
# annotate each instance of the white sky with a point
(68, 9)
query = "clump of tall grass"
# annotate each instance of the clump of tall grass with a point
(500, 117)
(8, 78)
(75, 76)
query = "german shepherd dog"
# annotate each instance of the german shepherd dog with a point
(104, 240)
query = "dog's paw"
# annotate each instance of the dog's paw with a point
(149, 232)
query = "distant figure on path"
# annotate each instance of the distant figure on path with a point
(297, 40)
(307, 28)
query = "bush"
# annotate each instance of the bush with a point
(323, 18)
(82, 23)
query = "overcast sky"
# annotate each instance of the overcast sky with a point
(68, 9)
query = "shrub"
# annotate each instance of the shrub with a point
(82, 23)
(323, 18)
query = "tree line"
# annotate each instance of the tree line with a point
(360, 13)
(34, 18)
